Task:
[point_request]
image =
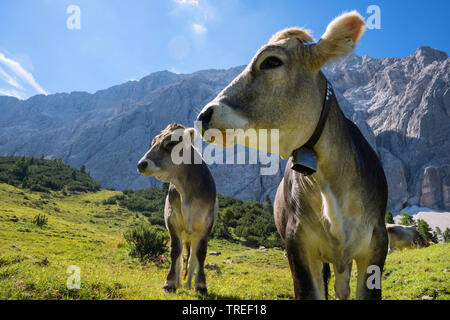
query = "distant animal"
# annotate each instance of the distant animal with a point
(331, 203)
(191, 203)
(404, 237)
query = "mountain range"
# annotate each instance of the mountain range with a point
(402, 107)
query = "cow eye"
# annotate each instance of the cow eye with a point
(271, 62)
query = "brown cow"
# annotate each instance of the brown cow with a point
(332, 210)
(404, 237)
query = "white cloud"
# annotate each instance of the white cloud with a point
(198, 14)
(20, 71)
(188, 2)
(9, 79)
(173, 70)
(11, 93)
(199, 28)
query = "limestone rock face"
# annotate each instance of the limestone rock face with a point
(397, 186)
(436, 188)
(406, 103)
(402, 107)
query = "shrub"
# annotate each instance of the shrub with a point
(40, 220)
(146, 242)
(221, 231)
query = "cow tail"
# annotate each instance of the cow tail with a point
(326, 277)
(188, 249)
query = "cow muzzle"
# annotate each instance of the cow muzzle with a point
(205, 116)
(147, 167)
(220, 115)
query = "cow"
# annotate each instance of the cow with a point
(404, 237)
(191, 203)
(331, 202)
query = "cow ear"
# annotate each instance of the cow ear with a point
(188, 136)
(340, 38)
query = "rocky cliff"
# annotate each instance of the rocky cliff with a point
(406, 103)
(402, 106)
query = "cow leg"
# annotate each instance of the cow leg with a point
(173, 279)
(374, 259)
(200, 278)
(305, 287)
(391, 245)
(342, 282)
(192, 264)
(316, 268)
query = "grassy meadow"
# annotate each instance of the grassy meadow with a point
(84, 231)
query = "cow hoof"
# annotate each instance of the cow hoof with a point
(169, 288)
(202, 290)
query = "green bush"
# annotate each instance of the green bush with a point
(250, 220)
(40, 220)
(146, 242)
(221, 231)
(150, 202)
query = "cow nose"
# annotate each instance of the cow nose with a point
(142, 165)
(205, 116)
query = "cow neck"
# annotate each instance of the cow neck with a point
(305, 158)
(184, 183)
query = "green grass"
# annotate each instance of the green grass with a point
(85, 232)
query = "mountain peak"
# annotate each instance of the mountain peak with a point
(427, 55)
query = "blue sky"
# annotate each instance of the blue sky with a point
(127, 40)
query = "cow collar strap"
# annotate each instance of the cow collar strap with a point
(305, 158)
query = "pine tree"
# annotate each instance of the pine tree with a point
(439, 235)
(21, 169)
(424, 230)
(269, 206)
(227, 215)
(447, 235)
(406, 219)
(389, 218)
(83, 168)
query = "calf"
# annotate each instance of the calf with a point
(191, 203)
(404, 237)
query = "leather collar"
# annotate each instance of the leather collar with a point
(305, 158)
